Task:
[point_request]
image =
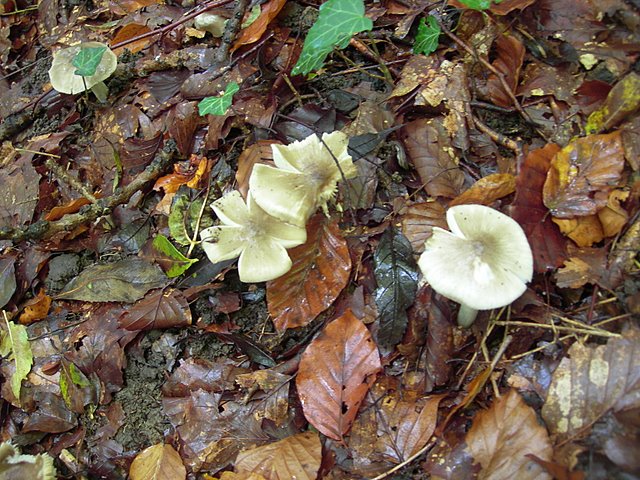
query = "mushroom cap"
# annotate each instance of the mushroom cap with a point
(62, 76)
(484, 262)
(210, 22)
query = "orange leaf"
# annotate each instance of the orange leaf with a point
(510, 55)
(190, 176)
(582, 174)
(320, 271)
(335, 373)
(158, 462)
(73, 206)
(36, 309)
(585, 231)
(129, 31)
(547, 244)
(487, 190)
(254, 31)
(613, 217)
(297, 456)
(501, 438)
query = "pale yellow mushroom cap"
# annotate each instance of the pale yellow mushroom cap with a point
(484, 262)
(62, 76)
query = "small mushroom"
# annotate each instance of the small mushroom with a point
(484, 262)
(14, 465)
(209, 22)
(64, 80)
(306, 178)
(247, 231)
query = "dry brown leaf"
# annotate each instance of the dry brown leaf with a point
(254, 31)
(582, 174)
(591, 381)
(509, 57)
(419, 70)
(235, 476)
(320, 271)
(36, 309)
(131, 30)
(613, 217)
(501, 438)
(335, 373)
(297, 456)
(418, 221)
(259, 152)
(585, 231)
(275, 406)
(158, 462)
(487, 190)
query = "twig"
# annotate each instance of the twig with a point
(70, 180)
(230, 31)
(500, 139)
(44, 229)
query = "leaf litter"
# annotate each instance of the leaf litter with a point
(126, 354)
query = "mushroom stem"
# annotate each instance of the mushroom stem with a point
(466, 315)
(101, 91)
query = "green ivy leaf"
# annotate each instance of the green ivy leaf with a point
(218, 105)
(338, 21)
(87, 60)
(478, 4)
(178, 262)
(427, 36)
(15, 344)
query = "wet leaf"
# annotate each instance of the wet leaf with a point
(427, 36)
(161, 309)
(582, 174)
(173, 261)
(509, 57)
(15, 346)
(19, 192)
(275, 405)
(297, 456)
(87, 60)
(7, 279)
(127, 32)
(397, 278)
(184, 216)
(418, 221)
(584, 231)
(591, 381)
(218, 105)
(257, 28)
(335, 373)
(126, 280)
(158, 462)
(338, 21)
(320, 271)
(547, 243)
(622, 101)
(487, 190)
(502, 436)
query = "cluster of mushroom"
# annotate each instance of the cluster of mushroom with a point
(280, 201)
(484, 262)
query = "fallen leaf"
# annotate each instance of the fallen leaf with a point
(35, 309)
(591, 381)
(335, 373)
(126, 280)
(275, 406)
(259, 152)
(613, 217)
(127, 32)
(622, 102)
(158, 310)
(253, 32)
(396, 274)
(170, 258)
(501, 437)
(15, 345)
(7, 278)
(487, 190)
(582, 174)
(418, 221)
(509, 57)
(157, 462)
(19, 193)
(585, 265)
(320, 271)
(419, 70)
(297, 456)
(585, 231)
(547, 243)
(72, 206)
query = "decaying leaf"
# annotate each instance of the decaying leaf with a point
(320, 271)
(585, 265)
(126, 280)
(487, 190)
(161, 309)
(585, 231)
(591, 381)
(297, 456)
(502, 436)
(254, 31)
(19, 194)
(335, 373)
(582, 174)
(36, 308)
(276, 385)
(509, 57)
(622, 101)
(418, 221)
(7, 278)
(158, 462)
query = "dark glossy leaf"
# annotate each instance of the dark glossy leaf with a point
(7, 279)
(251, 349)
(87, 60)
(161, 309)
(397, 277)
(361, 145)
(127, 280)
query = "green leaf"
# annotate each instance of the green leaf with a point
(427, 36)
(397, 277)
(71, 375)
(338, 21)
(126, 280)
(15, 343)
(178, 263)
(478, 4)
(218, 105)
(87, 60)
(184, 216)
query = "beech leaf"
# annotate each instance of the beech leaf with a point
(397, 277)
(158, 462)
(7, 279)
(320, 271)
(502, 436)
(126, 281)
(297, 456)
(158, 310)
(335, 373)
(15, 345)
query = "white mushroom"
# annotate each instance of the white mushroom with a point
(62, 72)
(306, 177)
(484, 262)
(210, 22)
(247, 231)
